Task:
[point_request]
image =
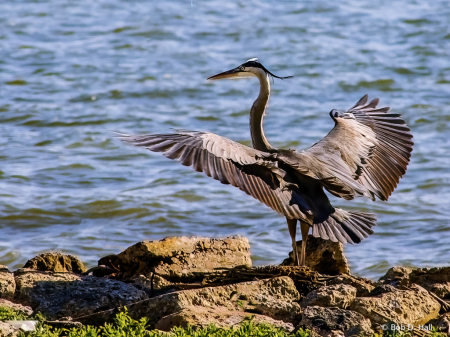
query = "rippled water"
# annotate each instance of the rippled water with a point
(70, 73)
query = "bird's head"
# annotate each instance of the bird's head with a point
(250, 68)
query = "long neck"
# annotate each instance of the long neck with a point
(259, 140)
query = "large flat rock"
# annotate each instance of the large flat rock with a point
(414, 307)
(201, 317)
(231, 297)
(180, 259)
(58, 295)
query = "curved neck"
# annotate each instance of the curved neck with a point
(257, 112)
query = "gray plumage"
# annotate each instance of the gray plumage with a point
(365, 154)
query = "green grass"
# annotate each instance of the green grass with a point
(125, 326)
(8, 314)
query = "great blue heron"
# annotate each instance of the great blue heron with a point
(365, 154)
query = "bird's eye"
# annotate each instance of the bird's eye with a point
(241, 68)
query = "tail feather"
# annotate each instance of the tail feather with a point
(345, 226)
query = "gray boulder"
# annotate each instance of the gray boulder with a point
(234, 297)
(58, 295)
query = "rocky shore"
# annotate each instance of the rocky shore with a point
(196, 281)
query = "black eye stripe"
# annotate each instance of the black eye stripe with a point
(256, 64)
(252, 64)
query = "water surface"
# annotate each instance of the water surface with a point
(70, 73)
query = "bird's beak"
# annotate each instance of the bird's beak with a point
(233, 73)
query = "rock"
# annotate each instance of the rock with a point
(436, 280)
(157, 285)
(99, 271)
(161, 285)
(145, 283)
(231, 297)
(323, 256)
(59, 295)
(25, 325)
(17, 307)
(339, 295)
(442, 323)
(7, 283)
(335, 322)
(396, 276)
(381, 289)
(441, 290)
(56, 262)
(29, 280)
(396, 273)
(64, 324)
(289, 312)
(8, 330)
(180, 259)
(4, 268)
(202, 317)
(402, 306)
(363, 286)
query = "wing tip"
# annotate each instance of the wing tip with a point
(363, 100)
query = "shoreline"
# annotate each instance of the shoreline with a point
(197, 281)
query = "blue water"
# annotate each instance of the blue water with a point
(72, 72)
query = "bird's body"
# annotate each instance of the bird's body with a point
(365, 154)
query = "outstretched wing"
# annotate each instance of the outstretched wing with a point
(366, 153)
(250, 170)
(390, 157)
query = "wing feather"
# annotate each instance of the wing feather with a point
(252, 171)
(392, 154)
(366, 153)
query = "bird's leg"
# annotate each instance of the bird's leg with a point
(292, 225)
(305, 229)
